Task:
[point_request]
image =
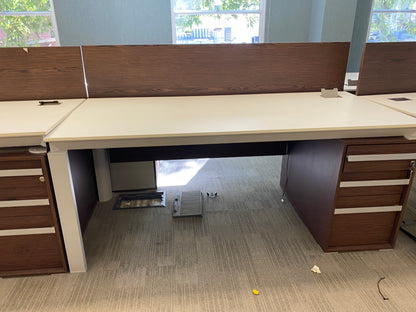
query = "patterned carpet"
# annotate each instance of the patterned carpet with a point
(144, 260)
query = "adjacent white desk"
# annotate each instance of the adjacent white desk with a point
(25, 123)
(402, 102)
(161, 121)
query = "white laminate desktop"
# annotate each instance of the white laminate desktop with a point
(402, 102)
(25, 123)
(158, 121)
(161, 121)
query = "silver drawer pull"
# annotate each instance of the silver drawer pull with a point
(374, 183)
(33, 231)
(367, 209)
(24, 203)
(379, 157)
(20, 172)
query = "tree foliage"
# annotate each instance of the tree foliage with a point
(18, 31)
(387, 26)
(185, 23)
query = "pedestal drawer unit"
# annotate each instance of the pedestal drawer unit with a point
(30, 237)
(354, 191)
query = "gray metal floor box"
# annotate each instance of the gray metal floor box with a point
(188, 204)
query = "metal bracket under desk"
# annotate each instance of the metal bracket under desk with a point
(198, 151)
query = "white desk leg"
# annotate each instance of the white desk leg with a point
(68, 211)
(102, 174)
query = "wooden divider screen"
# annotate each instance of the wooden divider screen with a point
(41, 73)
(387, 68)
(172, 70)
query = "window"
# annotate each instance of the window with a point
(26, 23)
(217, 21)
(393, 20)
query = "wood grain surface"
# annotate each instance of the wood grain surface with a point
(85, 187)
(312, 171)
(29, 254)
(387, 68)
(41, 73)
(173, 70)
(363, 229)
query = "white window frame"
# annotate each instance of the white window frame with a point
(261, 12)
(50, 14)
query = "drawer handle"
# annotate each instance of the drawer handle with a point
(20, 172)
(24, 203)
(367, 209)
(42, 179)
(374, 183)
(33, 231)
(381, 157)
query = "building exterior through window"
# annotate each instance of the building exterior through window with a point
(218, 21)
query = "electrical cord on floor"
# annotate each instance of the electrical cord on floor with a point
(378, 286)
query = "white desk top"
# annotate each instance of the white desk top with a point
(158, 121)
(407, 106)
(24, 123)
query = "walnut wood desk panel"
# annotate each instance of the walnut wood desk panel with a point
(195, 120)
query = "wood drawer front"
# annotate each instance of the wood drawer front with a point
(368, 200)
(377, 149)
(20, 164)
(373, 190)
(25, 217)
(25, 187)
(378, 175)
(29, 252)
(376, 166)
(362, 229)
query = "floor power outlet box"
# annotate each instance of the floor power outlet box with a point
(188, 204)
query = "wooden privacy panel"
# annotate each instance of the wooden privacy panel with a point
(388, 68)
(170, 70)
(41, 73)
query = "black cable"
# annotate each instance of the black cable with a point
(378, 286)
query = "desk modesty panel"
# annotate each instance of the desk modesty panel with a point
(178, 70)
(387, 67)
(24, 123)
(41, 73)
(164, 121)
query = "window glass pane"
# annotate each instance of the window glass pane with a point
(394, 5)
(22, 31)
(24, 5)
(224, 28)
(216, 5)
(387, 27)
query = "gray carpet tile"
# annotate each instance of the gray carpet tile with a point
(145, 260)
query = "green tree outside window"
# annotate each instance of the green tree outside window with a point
(19, 29)
(388, 26)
